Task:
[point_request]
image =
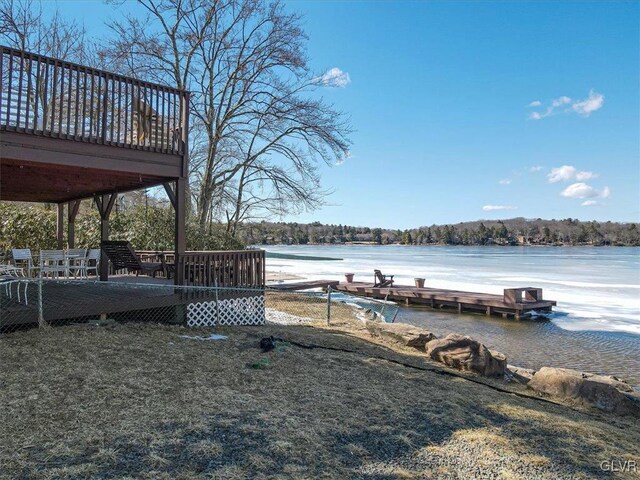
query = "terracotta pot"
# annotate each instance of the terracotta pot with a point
(349, 277)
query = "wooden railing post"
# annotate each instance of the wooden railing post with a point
(105, 100)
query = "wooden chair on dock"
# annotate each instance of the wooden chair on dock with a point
(122, 256)
(382, 280)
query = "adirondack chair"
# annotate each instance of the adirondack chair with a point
(381, 280)
(122, 256)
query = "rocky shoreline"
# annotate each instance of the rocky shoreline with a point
(602, 392)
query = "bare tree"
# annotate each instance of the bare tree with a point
(259, 134)
(23, 25)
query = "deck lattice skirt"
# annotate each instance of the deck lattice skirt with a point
(233, 311)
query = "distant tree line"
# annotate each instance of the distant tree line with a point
(515, 231)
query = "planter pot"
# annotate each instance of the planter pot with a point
(419, 282)
(348, 277)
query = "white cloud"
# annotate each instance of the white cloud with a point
(590, 203)
(564, 104)
(585, 176)
(569, 172)
(558, 102)
(565, 172)
(535, 169)
(579, 190)
(593, 102)
(505, 181)
(583, 190)
(334, 77)
(490, 208)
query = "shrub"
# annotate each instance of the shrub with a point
(147, 228)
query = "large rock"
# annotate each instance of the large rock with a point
(592, 390)
(519, 374)
(468, 354)
(408, 335)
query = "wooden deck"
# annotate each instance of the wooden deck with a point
(461, 301)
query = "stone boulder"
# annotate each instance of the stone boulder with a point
(519, 374)
(402, 333)
(587, 389)
(611, 380)
(468, 354)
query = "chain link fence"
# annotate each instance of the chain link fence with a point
(26, 303)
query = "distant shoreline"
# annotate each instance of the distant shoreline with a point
(374, 244)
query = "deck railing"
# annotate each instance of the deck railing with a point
(237, 268)
(53, 98)
(225, 268)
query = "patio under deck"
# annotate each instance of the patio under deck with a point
(70, 132)
(30, 303)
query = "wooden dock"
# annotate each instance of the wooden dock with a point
(515, 302)
(308, 285)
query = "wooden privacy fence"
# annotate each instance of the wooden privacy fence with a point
(54, 98)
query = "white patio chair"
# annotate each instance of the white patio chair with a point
(92, 255)
(53, 262)
(8, 275)
(11, 271)
(23, 255)
(76, 261)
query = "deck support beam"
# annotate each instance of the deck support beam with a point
(72, 213)
(180, 208)
(105, 205)
(60, 226)
(178, 198)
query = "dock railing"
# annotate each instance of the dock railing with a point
(49, 97)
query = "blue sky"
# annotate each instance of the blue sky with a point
(444, 99)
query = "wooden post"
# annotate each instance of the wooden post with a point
(72, 212)
(60, 226)
(180, 197)
(105, 204)
(329, 305)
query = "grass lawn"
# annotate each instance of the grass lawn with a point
(139, 401)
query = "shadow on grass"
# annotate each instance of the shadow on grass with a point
(139, 402)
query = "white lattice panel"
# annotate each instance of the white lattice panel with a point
(201, 314)
(233, 311)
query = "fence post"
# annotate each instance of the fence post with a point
(329, 305)
(215, 283)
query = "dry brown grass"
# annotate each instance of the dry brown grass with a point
(138, 401)
(303, 305)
